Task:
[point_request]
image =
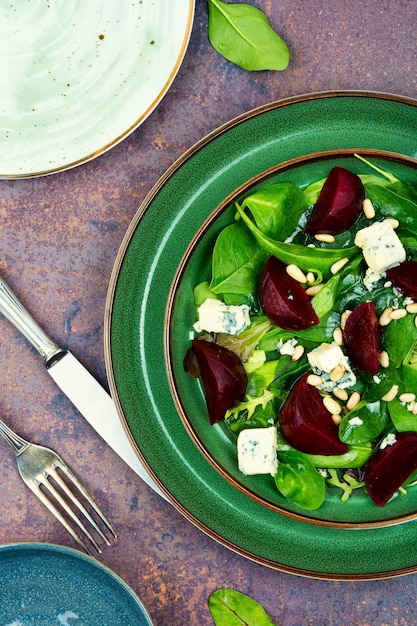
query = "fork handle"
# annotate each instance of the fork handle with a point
(13, 439)
(16, 313)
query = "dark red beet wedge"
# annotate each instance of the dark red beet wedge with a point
(390, 467)
(283, 299)
(362, 338)
(223, 377)
(404, 277)
(306, 424)
(339, 203)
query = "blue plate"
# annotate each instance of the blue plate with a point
(48, 585)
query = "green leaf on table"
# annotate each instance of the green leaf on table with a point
(241, 34)
(232, 608)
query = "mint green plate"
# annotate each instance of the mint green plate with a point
(142, 302)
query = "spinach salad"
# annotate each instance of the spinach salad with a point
(306, 335)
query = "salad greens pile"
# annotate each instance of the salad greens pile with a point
(271, 221)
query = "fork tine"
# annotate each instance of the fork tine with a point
(71, 496)
(74, 480)
(52, 508)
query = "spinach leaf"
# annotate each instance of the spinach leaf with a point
(400, 337)
(403, 419)
(277, 209)
(241, 34)
(356, 456)
(364, 423)
(308, 259)
(299, 481)
(232, 608)
(390, 202)
(237, 261)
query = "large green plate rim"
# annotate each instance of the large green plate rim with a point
(135, 326)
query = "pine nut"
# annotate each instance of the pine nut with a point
(384, 359)
(368, 209)
(343, 319)
(310, 277)
(336, 419)
(415, 321)
(391, 394)
(414, 408)
(337, 373)
(353, 401)
(298, 353)
(398, 314)
(391, 220)
(324, 237)
(386, 318)
(412, 308)
(341, 394)
(338, 336)
(314, 289)
(337, 266)
(331, 405)
(295, 272)
(407, 397)
(314, 380)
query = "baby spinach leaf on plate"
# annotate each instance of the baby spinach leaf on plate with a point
(277, 209)
(299, 481)
(364, 423)
(232, 608)
(400, 337)
(402, 418)
(241, 34)
(390, 203)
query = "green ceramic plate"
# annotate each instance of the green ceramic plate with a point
(165, 226)
(87, 77)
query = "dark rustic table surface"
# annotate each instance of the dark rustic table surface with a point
(59, 238)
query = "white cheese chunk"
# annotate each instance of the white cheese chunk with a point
(381, 246)
(214, 316)
(287, 347)
(324, 360)
(257, 451)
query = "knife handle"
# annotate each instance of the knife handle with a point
(16, 313)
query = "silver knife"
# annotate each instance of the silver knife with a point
(84, 391)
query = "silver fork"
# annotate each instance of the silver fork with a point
(43, 471)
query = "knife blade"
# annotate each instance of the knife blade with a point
(84, 391)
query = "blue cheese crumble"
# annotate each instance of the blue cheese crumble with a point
(389, 440)
(257, 451)
(325, 361)
(381, 247)
(214, 316)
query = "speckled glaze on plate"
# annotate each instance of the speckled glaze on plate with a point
(136, 326)
(46, 585)
(77, 77)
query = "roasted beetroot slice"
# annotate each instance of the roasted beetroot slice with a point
(283, 299)
(390, 467)
(339, 203)
(404, 277)
(306, 424)
(362, 338)
(223, 377)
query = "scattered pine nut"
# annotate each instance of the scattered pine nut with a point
(368, 208)
(298, 353)
(314, 380)
(341, 394)
(391, 394)
(398, 314)
(324, 237)
(391, 220)
(343, 319)
(386, 318)
(407, 397)
(331, 405)
(336, 419)
(295, 272)
(384, 359)
(411, 308)
(338, 336)
(337, 373)
(353, 401)
(337, 266)
(415, 321)
(414, 408)
(310, 277)
(314, 289)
